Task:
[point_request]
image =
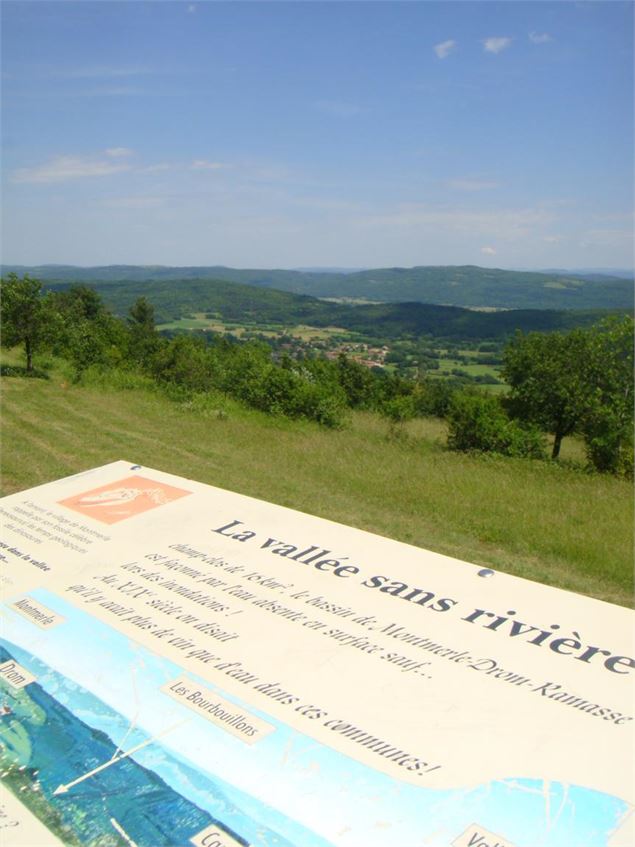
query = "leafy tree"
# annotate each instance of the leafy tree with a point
(478, 422)
(89, 335)
(80, 301)
(359, 384)
(397, 410)
(433, 397)
(608, 424)
(549, 381)
(144, 339)
(187, 362)
(27, 315)
(579, 381)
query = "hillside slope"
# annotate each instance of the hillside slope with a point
(229, 301)
(467, 286)
(543, 521)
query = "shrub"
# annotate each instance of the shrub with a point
(609, 442)
(477, 422)
(186, 362)
(433, 397)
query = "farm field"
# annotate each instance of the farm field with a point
(553, 523)
(199, 321)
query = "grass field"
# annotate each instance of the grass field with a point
(473, 369)
(552, 523)
(305, 333)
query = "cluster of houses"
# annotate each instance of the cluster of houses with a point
(370, 357)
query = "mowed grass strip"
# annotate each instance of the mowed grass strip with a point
(538, 520)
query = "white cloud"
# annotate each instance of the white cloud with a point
(488, 251)
(119, 152)
(64, 168)
(444, 48)
(160, 166)
(204, 165)
(503, 224)
(539, 37)
(471, 184)
(496, 45)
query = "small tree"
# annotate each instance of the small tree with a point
(89, 335)
(608, 423)
(27, 315)
(359, 384)
(397, 411)
(144, 339)
(478, 423)
(549, 381)
(580, 381)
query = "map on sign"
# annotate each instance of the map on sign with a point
(183, 665)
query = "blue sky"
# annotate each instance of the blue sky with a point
(293, 134)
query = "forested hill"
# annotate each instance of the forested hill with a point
(173, 299)
(466, 286)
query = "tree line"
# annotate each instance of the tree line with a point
(559, 383)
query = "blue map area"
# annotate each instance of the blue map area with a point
(286, 791)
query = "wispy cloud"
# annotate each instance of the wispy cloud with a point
(119, 152)
(205, 165)
(157, 168)
(339, 108)
(64, 168)
(488, 251)
(502, 225)
(471, 184)
(539, 37)
(496, 45)
(444, 48)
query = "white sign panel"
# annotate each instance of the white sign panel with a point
(185, 665)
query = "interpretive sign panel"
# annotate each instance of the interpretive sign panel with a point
(183, 665)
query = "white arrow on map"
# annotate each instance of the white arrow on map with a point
(116, 825)
(62, 789)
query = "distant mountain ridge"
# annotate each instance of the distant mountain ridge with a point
(254, 305)
(467, 286)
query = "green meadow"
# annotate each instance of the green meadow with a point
(551, 522)
(200, 321)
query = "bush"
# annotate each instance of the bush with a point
(433, 397)
(186, 362)
(358, 383)
(286, 392)
(477, 422)
(609, 442)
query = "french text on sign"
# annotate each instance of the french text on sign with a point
(476, 836)
(213, 836)
(206, 703)
(36, 613)
(15, 674)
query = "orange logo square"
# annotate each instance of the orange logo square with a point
(123, 499)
